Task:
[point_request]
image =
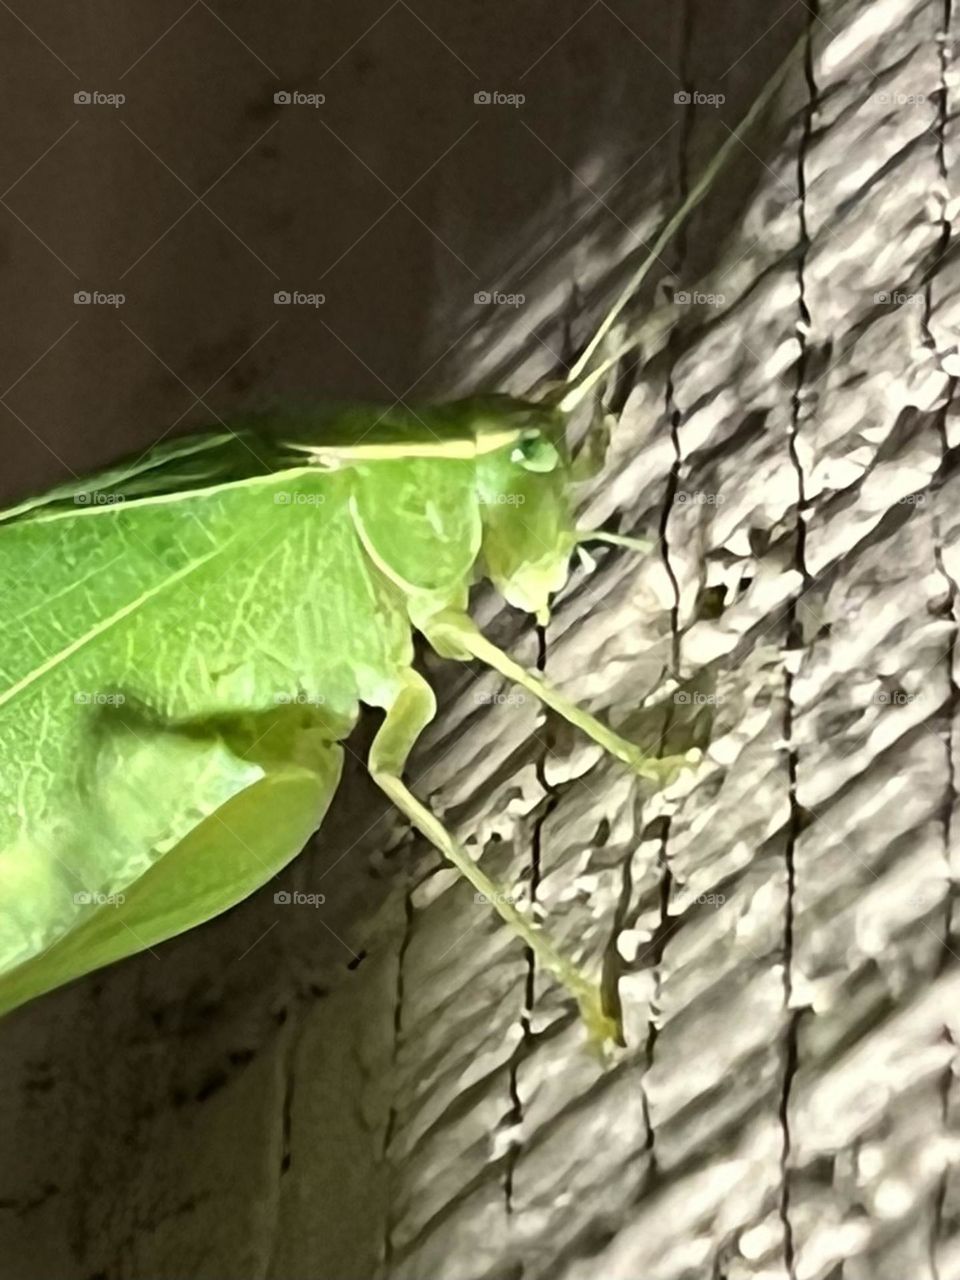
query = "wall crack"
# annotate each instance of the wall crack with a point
(794, 650)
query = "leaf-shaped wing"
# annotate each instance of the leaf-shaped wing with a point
(254, 811)
(137, 636)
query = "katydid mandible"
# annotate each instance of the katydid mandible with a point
(173, 704)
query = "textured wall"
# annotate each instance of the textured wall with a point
(384, 1088)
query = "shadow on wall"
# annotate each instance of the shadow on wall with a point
(395, 164)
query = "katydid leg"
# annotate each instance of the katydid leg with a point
(456, 634)
(615, 539)
(412, 710)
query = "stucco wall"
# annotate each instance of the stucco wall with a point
(362, 1091)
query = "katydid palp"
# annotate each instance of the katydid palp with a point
(214, 613)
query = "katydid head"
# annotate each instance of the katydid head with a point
(523, 486)
(526, 476)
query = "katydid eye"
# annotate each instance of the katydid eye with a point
(534, 453)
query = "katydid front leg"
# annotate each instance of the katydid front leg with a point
(413, 709)
(455, 635)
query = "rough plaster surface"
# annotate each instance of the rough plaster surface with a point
(243, 1106)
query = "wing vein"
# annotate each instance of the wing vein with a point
(57, 659)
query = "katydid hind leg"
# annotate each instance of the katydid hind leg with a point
(412, 710)
(455, 634)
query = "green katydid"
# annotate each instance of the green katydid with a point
(173, 703)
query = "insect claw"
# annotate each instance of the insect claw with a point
(602, 1028)
(666, 769)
